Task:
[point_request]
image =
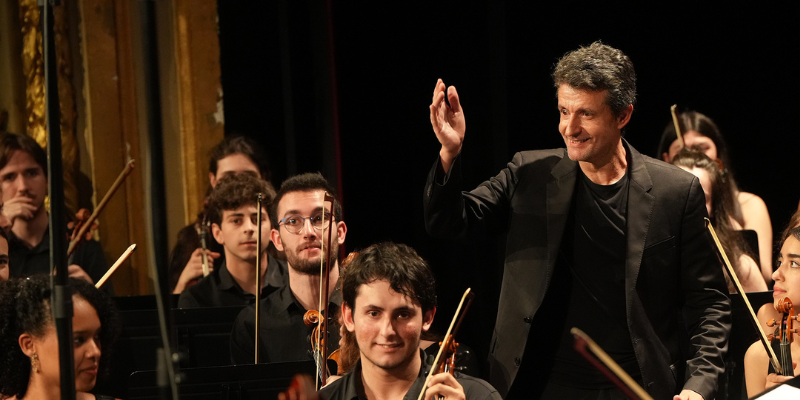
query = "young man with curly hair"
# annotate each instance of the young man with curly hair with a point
(233, 215)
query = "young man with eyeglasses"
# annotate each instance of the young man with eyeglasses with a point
(233, 214)
(300, 229)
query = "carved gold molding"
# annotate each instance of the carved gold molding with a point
(33, 69)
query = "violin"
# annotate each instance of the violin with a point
(784, 332)
(312, 317)
(446, 358)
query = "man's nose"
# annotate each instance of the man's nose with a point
(308, 228)
(572, 125)
(387, 330)
(21, 183)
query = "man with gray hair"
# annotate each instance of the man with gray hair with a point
(599, 237)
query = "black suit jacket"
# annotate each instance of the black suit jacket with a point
(677, 311)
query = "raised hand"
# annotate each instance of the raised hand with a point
(448, 122)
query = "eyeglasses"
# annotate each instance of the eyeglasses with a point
(295, 223)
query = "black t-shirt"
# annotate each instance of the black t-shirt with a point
(24, 261)
(219, 289)
(283, 336)
(350, 386)
(587, 291)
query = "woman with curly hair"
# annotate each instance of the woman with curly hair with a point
(29, 361)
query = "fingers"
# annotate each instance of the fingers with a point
(452, 96)
(445, 385)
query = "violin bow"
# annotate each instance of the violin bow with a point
(468, 296)
(674, 112)
(608, 366)
(100, 206)
(324, 283)
(116, 265)
(259, 199)
(202, 232)
(773, 359)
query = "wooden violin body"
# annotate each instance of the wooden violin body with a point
(784, 333)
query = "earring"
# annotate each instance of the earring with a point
(35, 362)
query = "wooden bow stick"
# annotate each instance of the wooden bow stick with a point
(116, 265)
(677, 125)
(88, 223)
(609, 367)
(259, 199)
(467, 295)
(773, 359)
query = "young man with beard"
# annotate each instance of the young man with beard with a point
(23, 184)
(299, 219)
(389, 299)
(233, 213)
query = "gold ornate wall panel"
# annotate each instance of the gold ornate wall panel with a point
(200, 94)
(33, 69)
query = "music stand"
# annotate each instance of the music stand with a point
(252, 381)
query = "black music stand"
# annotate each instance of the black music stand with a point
(261, 381)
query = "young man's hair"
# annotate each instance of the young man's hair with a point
(406, 272)
(238, 144)
(307, 182)
(11, 142)
(599, 67)
(235, 191)
(25, 308)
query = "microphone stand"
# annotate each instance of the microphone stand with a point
(167, 365)
(61, 293)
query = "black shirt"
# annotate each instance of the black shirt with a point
(596, 303)
(219, 289)
(351, 387)
(283, 336)
(25, 261)
(587, 291)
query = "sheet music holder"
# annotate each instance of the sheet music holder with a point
(252, 381)
(202, 335)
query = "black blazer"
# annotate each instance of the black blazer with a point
(678, 312)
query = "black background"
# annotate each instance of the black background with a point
(300, 76)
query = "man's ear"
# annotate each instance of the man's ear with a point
(624, 117)
(275, 236)
(26, 344)
(341, 231)
(665, 156)
(216, 231)
(347, 318)
(212, 179)
(427, 319)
